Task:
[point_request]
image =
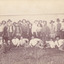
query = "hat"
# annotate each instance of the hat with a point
(51, 21)
(40, 21)
(3, 21)
(58, 20)
(19, 21)
(24, 20)
(44, 21)
(9, 20)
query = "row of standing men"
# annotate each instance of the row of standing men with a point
(39, 29)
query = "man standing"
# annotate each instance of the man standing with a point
(45, 32)
(10, 28)
(52, 30)
(17, 30)
(2, 25)
(24, 28)
(5, 39)
(62, 29)
(58, 27)
(34, 28)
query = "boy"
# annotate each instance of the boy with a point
(36, 42)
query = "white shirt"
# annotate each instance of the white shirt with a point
(52, 29)
(15, 41)
(62, 27)
(51, 43)
(23, 41)
(34, 28)
(59, 42)
(35, 41)
(39, 29)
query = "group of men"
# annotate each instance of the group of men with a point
(38, 33)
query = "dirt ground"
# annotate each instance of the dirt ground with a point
(32, 56)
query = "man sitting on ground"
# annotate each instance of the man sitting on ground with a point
(24, 42)
(15, 41)
(59, 43)
(36, 42)
(50, 44)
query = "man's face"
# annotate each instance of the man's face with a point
(52, 23)
(57, 38)
(38, 25)
(9, 23)
(24, 21)
(32, 37)
(19, 22)
(58, 21)
(3, 22)
(36, 22)
(44, 23)
(21, 38)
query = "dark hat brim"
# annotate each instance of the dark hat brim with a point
(52, 21)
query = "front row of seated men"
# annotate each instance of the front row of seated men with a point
(36, 42)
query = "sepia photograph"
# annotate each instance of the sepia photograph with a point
(31, 32)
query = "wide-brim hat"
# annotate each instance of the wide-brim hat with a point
(44, 21)
(51, 21)
(3, 21)
(19, 21)
(9, 20)
(58, 20)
